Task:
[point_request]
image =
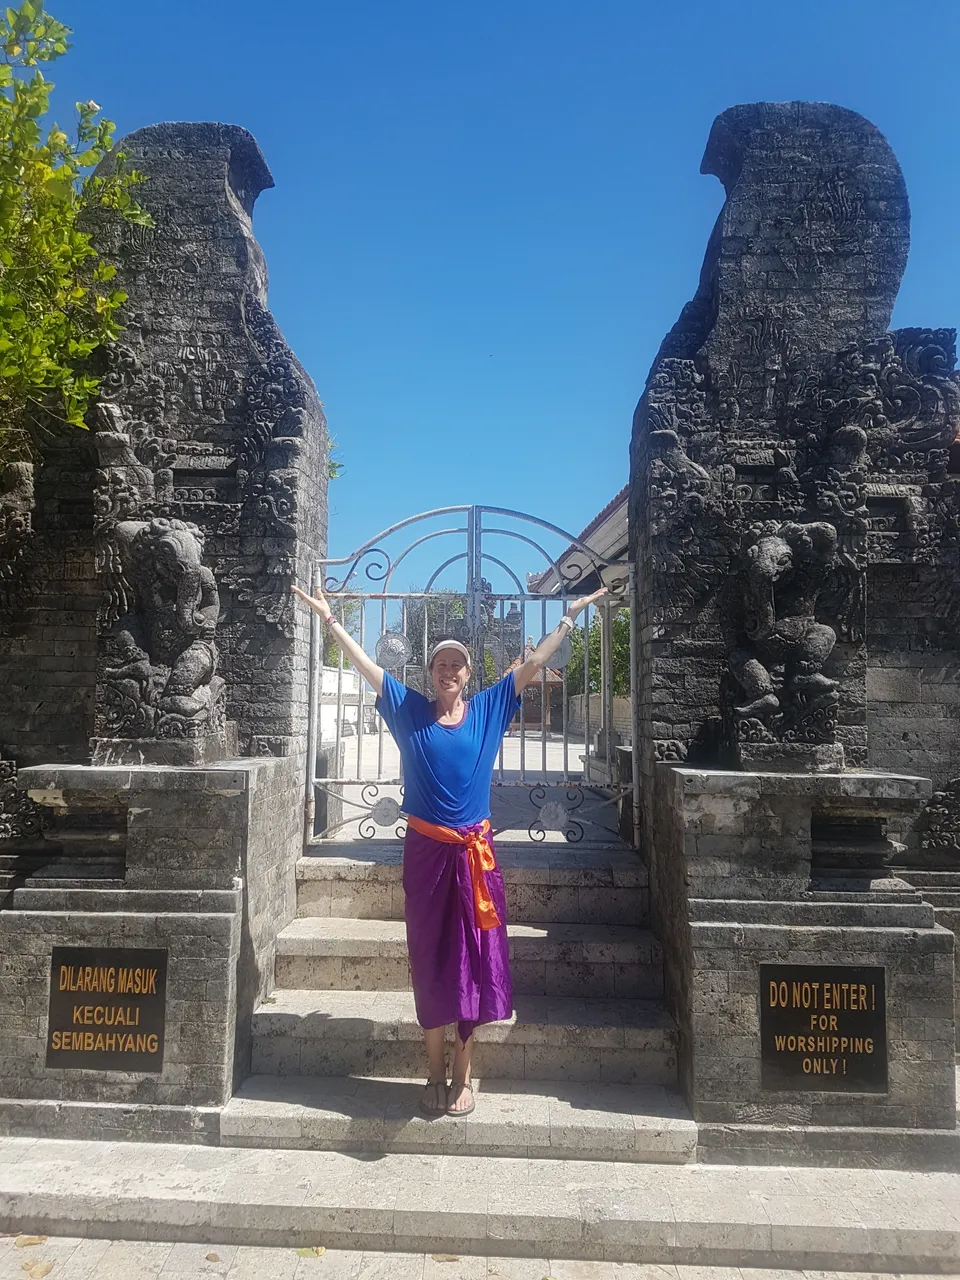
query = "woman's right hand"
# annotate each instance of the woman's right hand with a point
(316, 602)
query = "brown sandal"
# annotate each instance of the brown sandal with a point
(456, 1088)
(441, 1108)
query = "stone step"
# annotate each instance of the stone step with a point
(52, 865)
(544, 883)
(817, 1219)
(533, 1119)
(922, 879)
(46, 883)
(942, 898)
(376, 1033)
(327, 953)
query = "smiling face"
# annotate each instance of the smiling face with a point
(450, 673)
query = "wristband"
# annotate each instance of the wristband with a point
(566, 621)
(329, 620)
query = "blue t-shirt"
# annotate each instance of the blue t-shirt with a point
(447, 771)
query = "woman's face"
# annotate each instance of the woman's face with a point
(450, 672)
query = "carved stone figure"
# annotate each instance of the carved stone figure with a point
(16, 505)
(779, 665)
(158, 677)
(19, 816)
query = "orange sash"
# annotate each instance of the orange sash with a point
(480, 856)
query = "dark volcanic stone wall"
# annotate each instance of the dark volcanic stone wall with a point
(913, 679)
(48, 614)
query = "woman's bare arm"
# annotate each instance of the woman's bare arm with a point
(344, 640)
(529, 670)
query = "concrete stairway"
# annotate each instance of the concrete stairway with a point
(585, 1069)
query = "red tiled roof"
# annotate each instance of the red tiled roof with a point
(553, 677)
(598, 520)
(535, 580)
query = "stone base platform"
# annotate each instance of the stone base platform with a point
(848, 1220)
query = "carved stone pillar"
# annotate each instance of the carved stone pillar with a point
(753, 446)
(213, 470)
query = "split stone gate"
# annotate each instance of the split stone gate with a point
(795, 533)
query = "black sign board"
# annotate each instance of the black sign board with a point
(107, 1008)
(823, 1027)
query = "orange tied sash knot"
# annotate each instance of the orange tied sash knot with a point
(480, 857)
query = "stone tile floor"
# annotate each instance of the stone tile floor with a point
(70, 1258)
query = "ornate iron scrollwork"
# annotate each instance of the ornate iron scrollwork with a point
(554, 815)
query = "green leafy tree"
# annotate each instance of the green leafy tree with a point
(490, 673)
(347, 613)
(620, 644)
(57, 305)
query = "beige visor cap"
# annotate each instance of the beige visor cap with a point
(449, 644)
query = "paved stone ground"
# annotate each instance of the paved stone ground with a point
(69, 1258)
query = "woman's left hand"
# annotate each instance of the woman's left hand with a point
(574, 608)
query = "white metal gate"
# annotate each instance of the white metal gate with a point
(563, 772)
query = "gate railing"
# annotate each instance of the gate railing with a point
(553, 779)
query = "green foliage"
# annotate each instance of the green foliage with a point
(490, 673)
(347, 613)
(335, 467)
(57, 305)
(620, 622)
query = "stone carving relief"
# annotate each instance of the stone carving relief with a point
(940, 823)
(778, 661)
(19, 816)
(16, 506)
(158, 671)
(902, 393)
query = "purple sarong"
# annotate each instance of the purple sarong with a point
(460, 973)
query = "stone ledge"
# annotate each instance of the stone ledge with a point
(146, 901)
(106, 1121)
(827, 1146)
(824, 1219)
(867, 786)
(232, 777)
(861, 914)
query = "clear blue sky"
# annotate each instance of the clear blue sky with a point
(487, 214)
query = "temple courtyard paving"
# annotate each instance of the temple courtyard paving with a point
(74, 1259)
(243, 1212)
(70, 1258)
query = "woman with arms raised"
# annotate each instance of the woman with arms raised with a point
(454, 902)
